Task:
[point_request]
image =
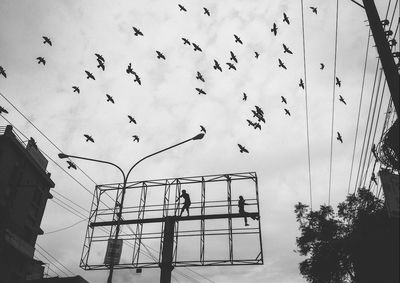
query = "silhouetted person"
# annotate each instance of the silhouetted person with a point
(241, 204)
(187, 202)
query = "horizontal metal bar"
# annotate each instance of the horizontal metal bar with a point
(185, 218)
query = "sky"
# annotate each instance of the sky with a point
(168, 109)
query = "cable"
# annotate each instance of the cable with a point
(359, 111)
(72, 273)
(333, 100)
(65, 228)
(306, 101)
(49, 261)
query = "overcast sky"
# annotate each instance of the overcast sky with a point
(168, 109)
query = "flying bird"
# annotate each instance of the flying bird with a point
(182, 8)
(274, 29)
(314, 10)
(322, 66)
(109, 98)
(129, 69)
(286, 19)
(131, 119)
(202, 129)
(196, 47)
(250, 123)
(89, 75)
(206, 11)
(76, 89)
(3, 110)
(200, 77)
(341, 99)
(3, 72)
(244, 96)
(41, 60)
(88, 138)
(101, 64)
(231, 66)
(237, 39)
(242, 148)
(284, 100)
(233, 57)
(185, 41)
(301, 84)
(286, 49)
(99, 57)
(200, 91)
(260, 119)
(160, 55)
(71, 165)
(287, 112)
(135, 138)
(137, 78)
(338, 82)
(256, 54)
(339, 137)
(137, 31)
(257, 126)
(281, 64)
(217, 66)
(47, 40)
(259, 110)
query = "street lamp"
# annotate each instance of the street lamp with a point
(125, 179)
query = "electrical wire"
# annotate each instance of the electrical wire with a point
(50, 262)
(65, 228)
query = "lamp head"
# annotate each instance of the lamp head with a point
(198, 137)
(62, 155)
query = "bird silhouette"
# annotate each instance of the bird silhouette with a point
(244, 96)
(237, 39)
(217, 66)
(283, 100)
(129, 69)
(301, 84)
(41, 60)
(339, 137)
(182, 8)
(338, 82)
(101, 64)
(261, 118)
(185, 41)
(200, 91)
(206, 11)
(341, 99)
(76, 89)
(286, 19)
(202, 129)
(259, 110)
(135, 138)
(3, 72)
(196, 47)
(281, 64)
(242, 148)
(286, 49)
(137, 31)
(47, 40)
(274, 29)
(250, 123)
(89, 75)
(160, 55)
(3, 110)
(314, 10)
(256, 114)
(231, 66)
(71, 165)
(109, 98)
(287, 112)
(322, 66)
(233, 57)
(200, 77)
(137, 78)
(256, 54)
(131, 119)
(257, 126)
(88, 138)
(99, 57)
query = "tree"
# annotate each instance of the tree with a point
(357, 244)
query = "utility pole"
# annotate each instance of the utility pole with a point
(385, 54)
(167, 251)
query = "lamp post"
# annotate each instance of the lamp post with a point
(125, 180)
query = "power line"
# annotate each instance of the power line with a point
(49, 261)
(65, 228)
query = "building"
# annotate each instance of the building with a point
(75, 279)
(24, 190)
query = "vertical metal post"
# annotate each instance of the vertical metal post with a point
(202, 223)
(259, 221)
(385, 54)
(167, 251)
(178, 188)
(229, 192)
(139, 226)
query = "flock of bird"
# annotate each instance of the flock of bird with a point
(257, 113)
